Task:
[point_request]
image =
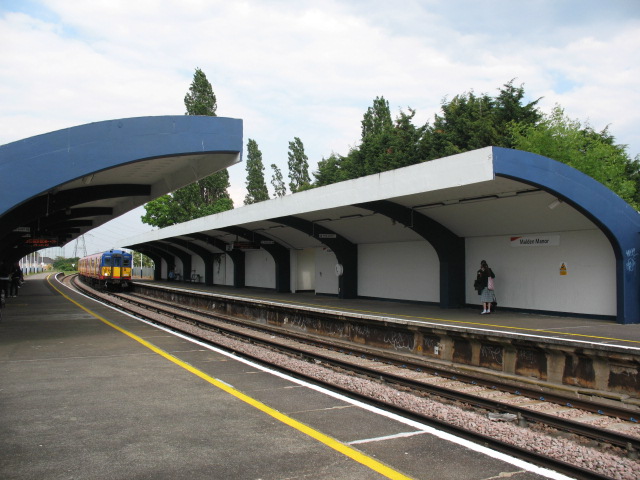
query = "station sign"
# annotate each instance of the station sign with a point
(22, 229)
(242, 246)
(535, 241)
(326, 235)
(41, 242)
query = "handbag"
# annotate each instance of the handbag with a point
(490, 283)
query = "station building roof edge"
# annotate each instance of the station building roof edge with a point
(111, 166)
(474, 171)
(34, 165)
(462, 169)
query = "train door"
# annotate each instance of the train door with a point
(126, 267)
(116, 265)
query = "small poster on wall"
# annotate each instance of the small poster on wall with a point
(535, 241)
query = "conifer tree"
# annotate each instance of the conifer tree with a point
(256, 187)
(279, 189)
(298, 167)
(205, 197)
(200, 100)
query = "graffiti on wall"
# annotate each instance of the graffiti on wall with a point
(630, 262)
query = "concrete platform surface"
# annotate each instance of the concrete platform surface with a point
(87, 392)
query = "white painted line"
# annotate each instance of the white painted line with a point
(417, 425)
(388, 437)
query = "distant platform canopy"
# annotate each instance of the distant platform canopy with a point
(558, 241)
(57, 186)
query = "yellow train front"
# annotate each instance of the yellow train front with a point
(110, 269)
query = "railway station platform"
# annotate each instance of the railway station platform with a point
(502, 321)
(585, 358)
(87, 392)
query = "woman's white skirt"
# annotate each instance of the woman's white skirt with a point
(487, 296)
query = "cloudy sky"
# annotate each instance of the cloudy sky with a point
(309, 69)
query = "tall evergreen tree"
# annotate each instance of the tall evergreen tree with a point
(466, 124)
(298, 167)
(377, 118)
(367, 158)
(385, 144)
(205, 197)
(279, 188)
(469, 122)
(256, 187)
(200, 100)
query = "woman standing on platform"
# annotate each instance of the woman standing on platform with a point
(484, 285)
(16, 280)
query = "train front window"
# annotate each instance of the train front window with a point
(106, 261)
(126, 261)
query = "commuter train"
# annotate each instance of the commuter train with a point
(110, 269)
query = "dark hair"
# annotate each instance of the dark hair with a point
(484, 263)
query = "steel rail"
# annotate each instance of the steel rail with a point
(503, 447)
(542, 460)
(632, 444)
(414, 364)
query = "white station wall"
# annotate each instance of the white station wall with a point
(402, 271)
(303, 270)
(223, 270)
(260, 269)
(530, 277)
(197, 264)
(327, 282)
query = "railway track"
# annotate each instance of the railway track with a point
(402, 378)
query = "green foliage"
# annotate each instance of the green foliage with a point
(200, 100)
(385, 144)
(509, 108)
(61, 264)
(328, 170)
(158, 212)
(139, 258)
(594, 153)
(208, 195)
(467, 122)
(256, 186)
(280, 190)
(298, 166)
(377, 119)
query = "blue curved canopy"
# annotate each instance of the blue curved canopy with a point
(108, 168)
(615, 217)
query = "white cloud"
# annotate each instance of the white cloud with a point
(311, 70)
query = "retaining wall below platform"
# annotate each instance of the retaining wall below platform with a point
(548, 362)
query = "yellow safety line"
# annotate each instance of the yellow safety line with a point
(346, 450)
